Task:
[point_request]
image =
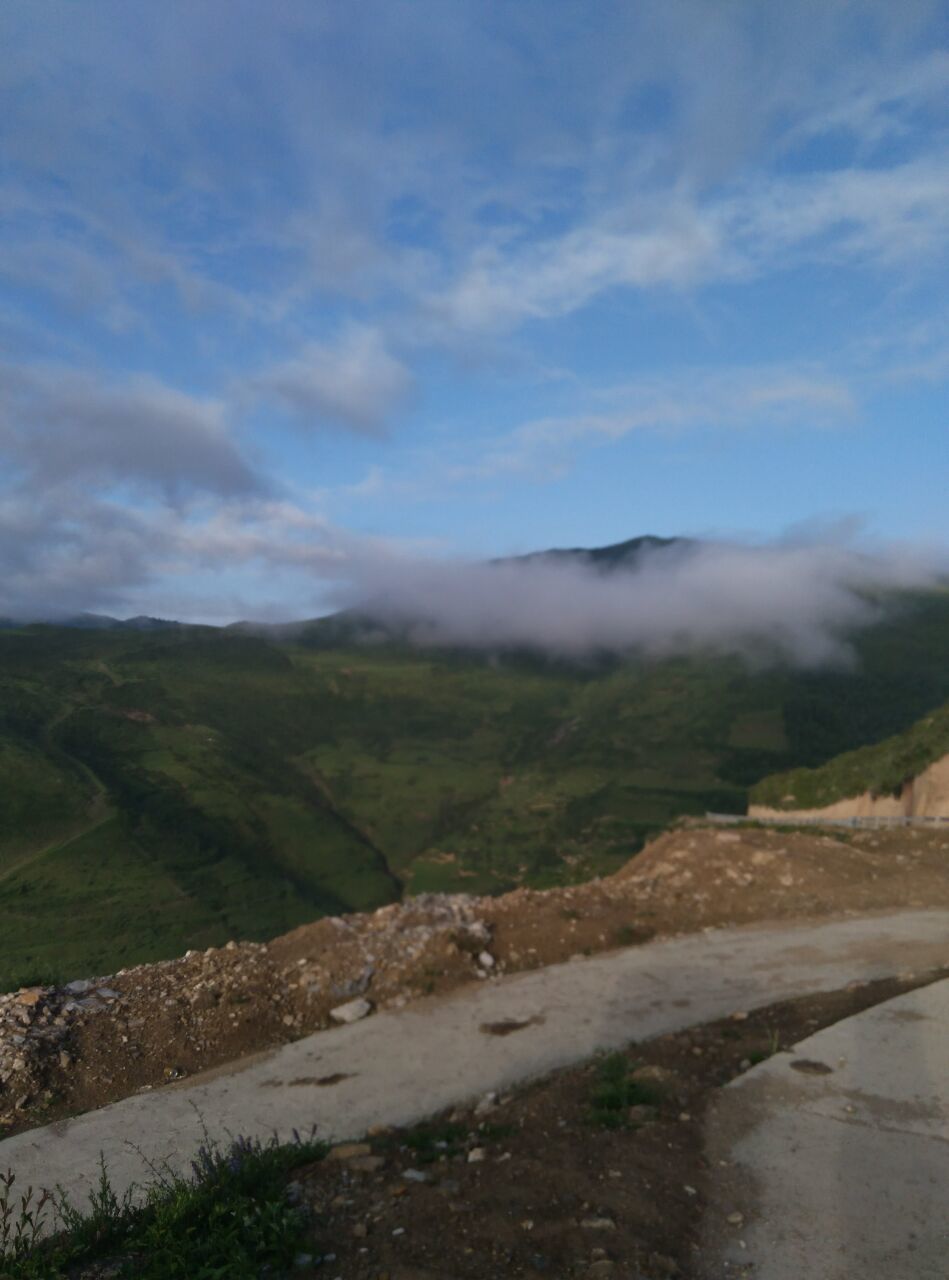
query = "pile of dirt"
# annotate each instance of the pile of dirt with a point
(69, 1049)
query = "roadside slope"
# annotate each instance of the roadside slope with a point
(64, 1050)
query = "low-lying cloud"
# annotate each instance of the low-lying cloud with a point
(794, 602)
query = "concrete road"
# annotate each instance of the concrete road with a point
(396, 1068)
(836, 1155)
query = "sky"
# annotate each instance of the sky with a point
(297, 297)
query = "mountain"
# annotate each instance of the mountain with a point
(618, 555)
(95, 622)
(174, 787)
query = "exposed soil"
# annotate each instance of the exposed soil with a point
(63, 1051)
(554, 1193)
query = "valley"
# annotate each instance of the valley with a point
(176, 788)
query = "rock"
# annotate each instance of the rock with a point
(486, 960)
(106, 993)
(355, 986)
(30, 997)
(476, 1155)
(653, 1074)
(415, 1175)
(303, 1260)
(736, 1219)
(79, 987)
(367, 1164)
(642, 1113)
(598, 1224)
(486, 1104)
(349, 1151)
(351, 1012)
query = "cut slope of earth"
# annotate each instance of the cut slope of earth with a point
(172, 789)
(64, 1051)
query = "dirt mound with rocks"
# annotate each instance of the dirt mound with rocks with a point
(68, 1049)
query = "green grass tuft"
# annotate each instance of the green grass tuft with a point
(615, 1091)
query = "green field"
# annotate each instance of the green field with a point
(178, 788)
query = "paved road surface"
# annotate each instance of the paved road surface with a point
(837, 1153)
(399, 1067)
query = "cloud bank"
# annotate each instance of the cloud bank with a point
(795, 602)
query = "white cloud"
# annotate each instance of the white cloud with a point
(59, 424)
(889, 216)
(559, 276)
(354, 382)
(688, 399)
(794, 601)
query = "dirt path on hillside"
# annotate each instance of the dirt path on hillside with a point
(64, 1050)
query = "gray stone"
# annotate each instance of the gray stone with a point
(353, 1011)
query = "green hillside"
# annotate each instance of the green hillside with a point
(162, 789)
(881, 768)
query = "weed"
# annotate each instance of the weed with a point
(615, 1091)
(231, 1217)
(22, 1217)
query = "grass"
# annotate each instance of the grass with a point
(232, 1217)
(615, 1091)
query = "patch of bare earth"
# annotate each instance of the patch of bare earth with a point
(67, 1050)
(533, 1185)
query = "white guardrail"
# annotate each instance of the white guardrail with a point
(791, 820)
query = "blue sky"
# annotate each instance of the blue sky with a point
(288, 288)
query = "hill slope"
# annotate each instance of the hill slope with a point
(883, 769)
(160, 790)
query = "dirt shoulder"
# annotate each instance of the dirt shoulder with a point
(67, 1050)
